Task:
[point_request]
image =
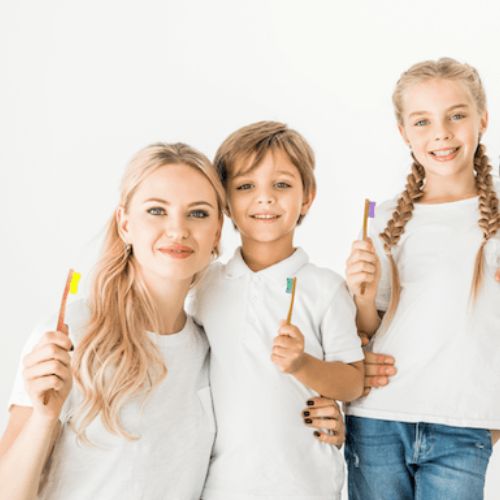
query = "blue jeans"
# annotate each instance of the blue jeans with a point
(388, 460)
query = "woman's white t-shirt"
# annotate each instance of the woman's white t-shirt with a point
(175, 428)
(447, 350)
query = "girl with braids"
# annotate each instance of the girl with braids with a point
(429, 267)
(137, 422)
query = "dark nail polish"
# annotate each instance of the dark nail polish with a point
(308, 421)
(310, 402)
(316, 433)
(306, 413)
(72, 348)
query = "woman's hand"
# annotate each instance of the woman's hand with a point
(47, 374)
(378, 367)
(363, 269)
(324, 415)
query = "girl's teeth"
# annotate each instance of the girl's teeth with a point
(444, 153)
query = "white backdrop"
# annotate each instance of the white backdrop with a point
(86, 84)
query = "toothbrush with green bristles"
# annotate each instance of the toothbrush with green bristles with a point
(291, 284)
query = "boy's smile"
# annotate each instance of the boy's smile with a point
(267, 201)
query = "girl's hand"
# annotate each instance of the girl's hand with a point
(378, 367)
(288, 348)
(47, 374)
(324, 414)
(363, 266)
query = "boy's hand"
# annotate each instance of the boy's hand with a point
(288, 348)
(378, 367)
(363, 266)
(324, 414)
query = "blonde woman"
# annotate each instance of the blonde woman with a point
(128, 414)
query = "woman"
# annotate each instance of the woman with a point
(138, 421)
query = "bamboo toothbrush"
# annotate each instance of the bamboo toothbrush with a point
(291, 283)
(70, 287)
(369, 213)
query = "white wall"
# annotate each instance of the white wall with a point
(86, 84)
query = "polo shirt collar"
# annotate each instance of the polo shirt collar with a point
(236, 266)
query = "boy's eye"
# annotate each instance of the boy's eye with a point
(244, 187)
(198, 214)
(421, 123)
(282, 185)
(156, 211)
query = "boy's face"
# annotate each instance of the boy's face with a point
(266, 202)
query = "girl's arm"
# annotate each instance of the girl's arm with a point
(363, 275)
(333, 379)
(31, 431)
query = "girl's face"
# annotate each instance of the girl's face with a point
(172, 223)
(442, 126)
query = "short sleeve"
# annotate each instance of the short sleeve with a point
(338, 329)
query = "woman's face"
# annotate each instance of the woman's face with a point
(172, 223)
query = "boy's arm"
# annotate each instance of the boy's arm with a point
(332, 379)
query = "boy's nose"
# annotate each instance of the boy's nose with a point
(265, 198)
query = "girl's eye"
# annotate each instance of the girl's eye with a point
(282, 185)
(244, 187)
(198, 214)
(156, 211)
(421, 123)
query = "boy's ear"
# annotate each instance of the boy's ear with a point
(122, 223)
(307, 202)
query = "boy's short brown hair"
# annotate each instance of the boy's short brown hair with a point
(255, 140)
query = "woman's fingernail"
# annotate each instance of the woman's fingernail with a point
(310, 402)
(72, 348)
(308, 421)
(316, 433)
(306, 413)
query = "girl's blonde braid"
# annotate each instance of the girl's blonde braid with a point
(396, 226)
(489, 219)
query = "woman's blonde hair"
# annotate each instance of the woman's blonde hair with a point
(116, 360)
(447, 69)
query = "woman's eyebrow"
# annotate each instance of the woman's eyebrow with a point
(165, 202)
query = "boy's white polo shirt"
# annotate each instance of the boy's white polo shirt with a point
(263, 449)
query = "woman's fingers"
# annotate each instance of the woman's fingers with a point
(46, 352)
(47, 368)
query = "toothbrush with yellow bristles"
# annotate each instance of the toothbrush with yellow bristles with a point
(70, 287)
(290, 288)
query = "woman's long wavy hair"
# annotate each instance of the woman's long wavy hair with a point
(489, 220)
(116, 360)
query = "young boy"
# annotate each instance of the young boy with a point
(262, 370)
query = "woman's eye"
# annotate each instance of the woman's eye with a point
(156, 211)
(282, 185)
(457, 116)
(421, 123)
(199, 214)
(244, 187)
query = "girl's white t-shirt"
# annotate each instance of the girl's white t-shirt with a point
(447, 349)
(175, 428)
